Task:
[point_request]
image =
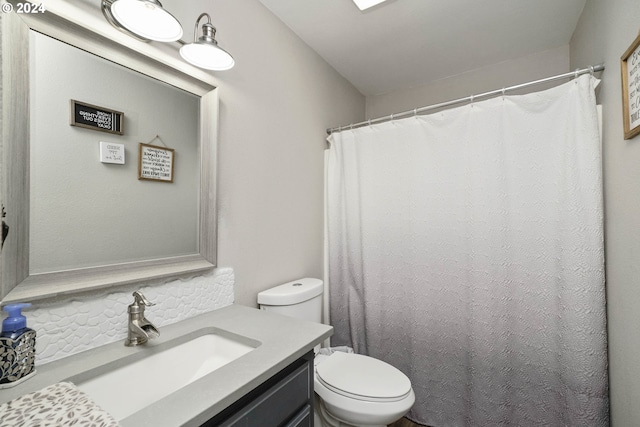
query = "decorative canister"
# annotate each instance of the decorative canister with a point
(17, 347)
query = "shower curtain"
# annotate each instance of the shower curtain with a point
(466, 249)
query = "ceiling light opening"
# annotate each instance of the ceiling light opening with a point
(366, 4)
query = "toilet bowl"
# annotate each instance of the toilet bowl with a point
(359, 390)
(351, 389)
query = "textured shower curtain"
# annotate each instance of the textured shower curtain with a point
(466, 249)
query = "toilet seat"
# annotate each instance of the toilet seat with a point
(362, 377)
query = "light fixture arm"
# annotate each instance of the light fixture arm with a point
(208, 30)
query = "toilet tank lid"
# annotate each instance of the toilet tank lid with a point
(290, 293)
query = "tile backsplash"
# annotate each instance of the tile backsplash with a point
(66, 327)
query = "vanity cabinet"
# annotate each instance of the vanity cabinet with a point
(286, 399)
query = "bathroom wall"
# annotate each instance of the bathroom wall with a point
(275, 106)
(496, 76)
(605, 30)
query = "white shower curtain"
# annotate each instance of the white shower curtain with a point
(466, 249)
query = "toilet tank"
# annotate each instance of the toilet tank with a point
(301, 299)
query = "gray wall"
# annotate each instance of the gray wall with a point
(496, 76)
(605, 31)
(274, 108)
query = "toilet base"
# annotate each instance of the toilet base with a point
(322, 417)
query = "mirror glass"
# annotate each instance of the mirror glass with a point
(79, 217)
(87, 208)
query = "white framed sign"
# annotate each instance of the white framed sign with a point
(111, 152)
(155, 163)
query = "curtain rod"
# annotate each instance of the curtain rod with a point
(471, 98)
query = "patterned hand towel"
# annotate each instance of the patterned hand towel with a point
(61, 404)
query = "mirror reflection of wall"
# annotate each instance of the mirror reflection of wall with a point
(87, 213)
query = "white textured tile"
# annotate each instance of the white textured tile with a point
(87, 321)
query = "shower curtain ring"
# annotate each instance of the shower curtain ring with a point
(472, 96)
(503, 91)
(591, 70)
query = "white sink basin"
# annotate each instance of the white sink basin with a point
(127, 389)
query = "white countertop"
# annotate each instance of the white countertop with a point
(282, 341)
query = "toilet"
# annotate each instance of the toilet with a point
(351, 389)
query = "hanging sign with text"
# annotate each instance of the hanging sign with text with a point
(630, 67)
(97, 118)
(155, 163)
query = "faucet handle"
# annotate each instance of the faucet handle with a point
(141, 300)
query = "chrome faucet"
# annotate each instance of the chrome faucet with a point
(140, 329)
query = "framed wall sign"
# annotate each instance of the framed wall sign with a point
(155, 163)
(630, 67)
(90, 116)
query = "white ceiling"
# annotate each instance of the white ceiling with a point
(404, 43)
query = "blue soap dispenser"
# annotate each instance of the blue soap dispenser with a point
(15, 324)
(17, 347)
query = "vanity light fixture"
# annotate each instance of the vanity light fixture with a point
(204, 52)
(145, 19)
(366, 4)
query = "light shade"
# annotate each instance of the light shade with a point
(366, 4)
(207, 55)
(204, 52)
(147, 19)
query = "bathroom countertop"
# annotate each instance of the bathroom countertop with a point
(283, 340)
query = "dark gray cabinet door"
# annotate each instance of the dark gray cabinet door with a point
(284, 400)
